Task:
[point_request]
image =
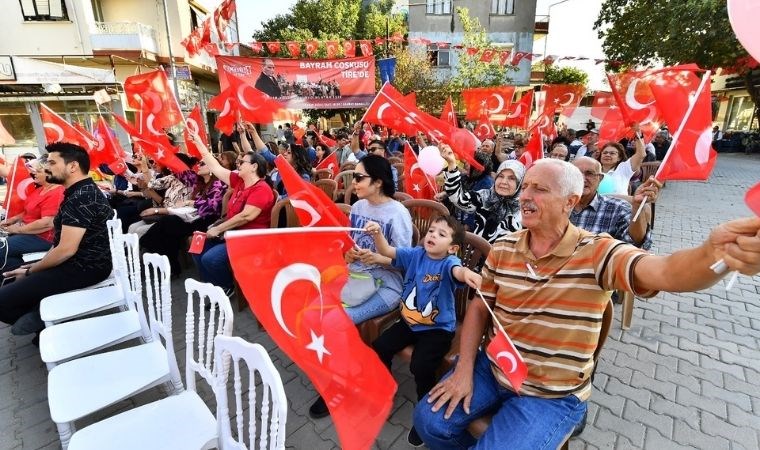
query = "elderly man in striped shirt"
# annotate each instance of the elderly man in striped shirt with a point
(548, 285)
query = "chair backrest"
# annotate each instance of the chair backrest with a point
(159, 298)
(415, 235)
(129, 277)
(345, 208)
(270, 417)
(114, 235)
(400, 184)
(283, 213)
(344, 178)
(396, 160)
(321, 174)
(423, 212)
(348, 166)
(399, 167)
(473, 253)
(200, 358)
(402, 196)
(649, 169)
(327, 186)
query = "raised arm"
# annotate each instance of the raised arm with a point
(638, 157)
(213, 165)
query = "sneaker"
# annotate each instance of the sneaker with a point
(579, 428)
(413, 438)
(318, 409)
(29, 323)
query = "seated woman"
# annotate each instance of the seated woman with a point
(373, 184)
(617, 168)
(475, 180)
(297, 157)
(177, 189)
(496, 210)
(168, 235)
(250, 206)
(323, 151)
(32, 230)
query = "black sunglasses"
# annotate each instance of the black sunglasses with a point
(358, 177)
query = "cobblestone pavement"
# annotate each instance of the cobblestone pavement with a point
(687, 373)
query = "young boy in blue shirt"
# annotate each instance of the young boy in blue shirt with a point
(432, 273)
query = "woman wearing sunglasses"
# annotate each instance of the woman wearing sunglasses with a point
(32, 230)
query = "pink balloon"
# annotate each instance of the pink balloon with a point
(743, 15)
(430, 160)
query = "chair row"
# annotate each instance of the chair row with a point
(85, 377)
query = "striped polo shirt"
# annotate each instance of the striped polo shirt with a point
(554, 318)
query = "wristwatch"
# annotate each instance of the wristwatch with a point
(155, 210)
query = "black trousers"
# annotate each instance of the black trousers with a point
(25, 294)
(168, 236)
(429, 349)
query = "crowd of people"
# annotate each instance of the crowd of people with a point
(563, 237)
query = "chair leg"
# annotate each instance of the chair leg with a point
(65, 430)
(651, 220)
(627, 310)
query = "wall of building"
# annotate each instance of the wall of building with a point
(45, 37)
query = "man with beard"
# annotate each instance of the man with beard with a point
(81, 254)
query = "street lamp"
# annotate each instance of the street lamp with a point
(549, 15)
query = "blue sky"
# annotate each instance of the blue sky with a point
(252, 12)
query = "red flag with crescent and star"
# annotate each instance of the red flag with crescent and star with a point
(330, 163)
(493, 100)
(240, 99)
(59, 130)
(108, 151)
(150, 92)
(165, 155)
(540, 129)
(448, 114)
(503, 353)
(563, 98)
(20, 184)
(519, 111)
(312, 45)
(332, 49)
(292, 278)
(194, 125)
(417, 183)
(484, 129)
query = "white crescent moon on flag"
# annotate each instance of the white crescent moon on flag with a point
(650, 117)
(241, 98)
(286, 276)
(381, 109)
(544, 122)
(55, 128)
(303, 205)
(192, 126)
(101, 143)
(509, 357)
(155, 102)
(516, 113)
(414, 166)
(569, 102)
(410, 117)
(500, 103)
(704, 144)
(483, 128)
(21, 187)
(630, 96)
(226, 109)
(149, 124)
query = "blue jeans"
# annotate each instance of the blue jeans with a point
(373, 307)
(214, 264)
(18, 244)
(519, 422)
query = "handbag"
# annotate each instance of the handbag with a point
(188, 214)
(359, 287)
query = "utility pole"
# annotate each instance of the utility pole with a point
(171, 55)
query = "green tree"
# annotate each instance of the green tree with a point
(645, 32)
(565, 75)
(415, 73)
(471, 72)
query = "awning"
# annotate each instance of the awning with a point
(35, 71)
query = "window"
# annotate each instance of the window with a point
(502, 7)
(43, 10)
(439, 55)
(439, 6)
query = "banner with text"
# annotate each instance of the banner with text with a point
(306, 83)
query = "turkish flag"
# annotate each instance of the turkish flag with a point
(397, 37)
(150, 92)
(326, 140)
(601, 104)
(564, 98)
(257, 47)
(504, 56)
(20, 184)
(108, 151)
(503, 353)
(366, 47)
(379, 41)
(292, 279)
(448, 114)
(691, 156)
(205, 33)
(417, 183)
(487, 55)
(220, 24)
(519, 112)
(227, 9)
(5, 137)
(634, 97)
(411, 99)
(518, 56)
(164, 155)
(484, 130)
(58, 130)
(492, 100)
(192, 42)
(240, 99)
(471, 51)
(752, 199)
(273, 47)
(194, 125)
(331, 163)
(534, 149)
(294, 48)
(332, 49)
(349, 49)
(312, 46)
(198, 242)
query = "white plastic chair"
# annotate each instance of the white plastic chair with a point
(273, 411)
(181, 421)
(63, 342)
(83, 386)
(103, 296)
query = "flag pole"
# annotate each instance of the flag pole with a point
(490, 311)
(10, 186)
(677, 135)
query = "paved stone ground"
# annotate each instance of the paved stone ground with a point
(686, 375)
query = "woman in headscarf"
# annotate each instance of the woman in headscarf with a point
(496, 210)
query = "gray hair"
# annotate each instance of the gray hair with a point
(570, 178)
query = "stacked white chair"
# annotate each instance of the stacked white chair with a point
(83, 386)
(181, 421)
(65, 341)
(108, 294)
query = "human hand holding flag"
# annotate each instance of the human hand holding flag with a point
(752, 199)
(504, 354)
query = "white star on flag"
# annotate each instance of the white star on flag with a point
(318, 345)
(416, 188)
(160, 154)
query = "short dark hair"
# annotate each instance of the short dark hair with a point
(378, 168)
(457, 235)
(377, 142)
(70, 153)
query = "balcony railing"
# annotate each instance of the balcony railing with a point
(123, 36)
